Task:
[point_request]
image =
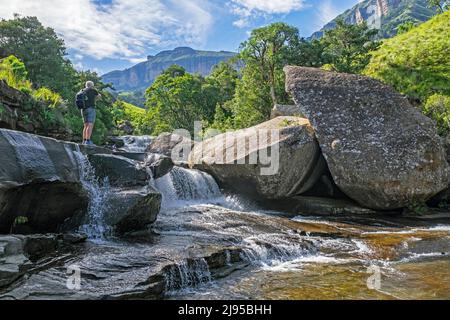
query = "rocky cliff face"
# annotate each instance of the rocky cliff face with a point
(143, 74)
(391, 13)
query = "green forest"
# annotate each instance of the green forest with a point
(238, 93)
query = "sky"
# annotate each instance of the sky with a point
(106, 35)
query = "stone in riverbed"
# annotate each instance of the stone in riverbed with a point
(229, 158)
(159, 164)
(120, 171)
(166, 143)
(133, 209)
(381, 151)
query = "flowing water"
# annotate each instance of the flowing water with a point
(206, 245)
(99, 192)
(136, 143)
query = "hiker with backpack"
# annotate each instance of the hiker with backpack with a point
(85, 101)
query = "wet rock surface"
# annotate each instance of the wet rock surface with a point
(39, 180)
(381, 151)
(208, 251)
(19, 254)
(159, 164)
(120, 171)
(133, 209)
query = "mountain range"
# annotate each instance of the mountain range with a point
(142, 75)
(392, 13)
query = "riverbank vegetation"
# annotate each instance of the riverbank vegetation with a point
(238, 93)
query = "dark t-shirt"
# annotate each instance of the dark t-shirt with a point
(91, 93)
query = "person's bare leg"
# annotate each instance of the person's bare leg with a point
(90, 128)
(85, 130)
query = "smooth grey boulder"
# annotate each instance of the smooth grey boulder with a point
(120, 171)
(159, 164)
(133, 209)
(381, 151)
(39, 180)
(168, 143)
(293, 165)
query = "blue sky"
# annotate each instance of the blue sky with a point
(105, 35)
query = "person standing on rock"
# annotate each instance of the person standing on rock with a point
(88, 113)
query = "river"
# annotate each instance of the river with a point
(210, 245)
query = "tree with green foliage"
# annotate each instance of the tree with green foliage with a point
(177, 99)
(41, 50)
(348, 46)
(268, 49)
(310, 54)
(123, 111)
(441, 5)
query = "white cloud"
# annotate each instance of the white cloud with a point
(270, 6)
(245, 9)
(327, 11)
(122, 29)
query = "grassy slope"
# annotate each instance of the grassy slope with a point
(416, 63)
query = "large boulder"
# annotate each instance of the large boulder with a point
(39, 180)
(236, 159)
(447, 147)
(381, 151)
(120, 171)
(168, 143)
(133, 209)
(159, 164)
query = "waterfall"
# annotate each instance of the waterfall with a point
(136, 143)
(184, 185)
(270, 250)
(98, 193)
(187, 274)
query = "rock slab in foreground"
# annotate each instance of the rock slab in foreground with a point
(133, 209)
(299, 162)
(39, 180)
(381, 151)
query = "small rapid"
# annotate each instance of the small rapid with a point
(206, 244)
(136, 143)
(181, 187)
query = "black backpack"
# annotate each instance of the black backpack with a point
(81, 99)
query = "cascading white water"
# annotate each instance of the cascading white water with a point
(136, 143)
(98, 193)
(182, 185)
(273, 249)
(187, 275)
